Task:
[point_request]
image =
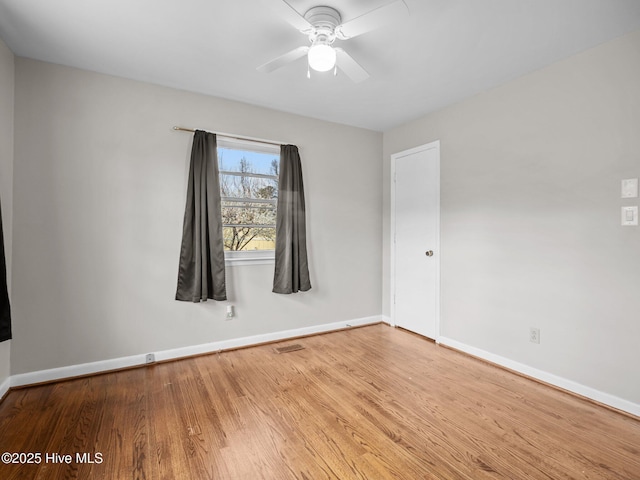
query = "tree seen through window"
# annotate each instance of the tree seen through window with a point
(249, 191)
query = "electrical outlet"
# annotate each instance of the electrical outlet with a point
(150, 358)
(230, 312)
(534, 335)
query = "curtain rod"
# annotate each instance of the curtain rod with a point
(235, 137)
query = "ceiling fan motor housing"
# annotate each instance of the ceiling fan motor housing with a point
(324, 21)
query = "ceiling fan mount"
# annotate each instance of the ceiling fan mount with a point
(324, 21)
(323, 25)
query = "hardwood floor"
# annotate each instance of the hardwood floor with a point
(367, 403)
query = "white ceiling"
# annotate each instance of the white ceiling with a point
(442, 52)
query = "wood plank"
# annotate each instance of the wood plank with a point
(366, 403)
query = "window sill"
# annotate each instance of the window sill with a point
(264, 257)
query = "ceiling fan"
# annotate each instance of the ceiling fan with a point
(323, 25)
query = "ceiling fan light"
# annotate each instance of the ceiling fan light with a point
(322, 57)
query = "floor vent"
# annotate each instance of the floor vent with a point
(289, 348)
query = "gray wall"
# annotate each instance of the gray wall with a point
(100, 191)
(530, 230)
(6, 177)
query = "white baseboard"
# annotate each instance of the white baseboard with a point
(571, 386)
(4, 386)
(386, 319)
(136, 360)
(70, 371)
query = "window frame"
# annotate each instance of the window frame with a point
(248, 257)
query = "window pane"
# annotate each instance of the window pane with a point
(246, 161)
(249, 238)
(248, 214)
(246, 186)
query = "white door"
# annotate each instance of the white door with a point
(415, 239)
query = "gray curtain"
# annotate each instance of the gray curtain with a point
(292, 269)
(201, 272)
(5, 308)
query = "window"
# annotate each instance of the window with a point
(249, 193)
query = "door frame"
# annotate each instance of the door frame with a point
(394, 158)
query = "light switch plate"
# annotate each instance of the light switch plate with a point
(630, 188)
(629, 216)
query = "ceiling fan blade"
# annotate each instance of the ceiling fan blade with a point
(288, 13)
(350, 67)
(282, 60)
(372, 20)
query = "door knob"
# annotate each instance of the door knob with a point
(429, 253)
